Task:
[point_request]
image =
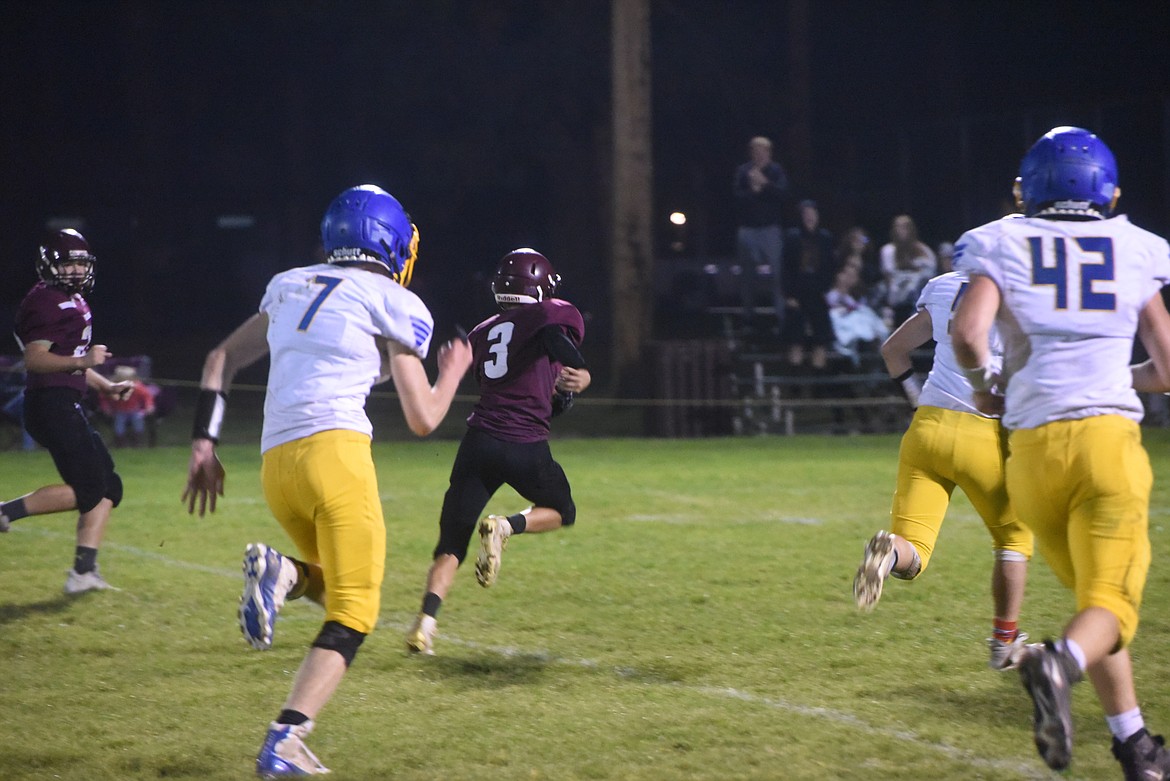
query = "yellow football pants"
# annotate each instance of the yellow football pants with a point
(940, 450)
(1084, 488)
(324, 492)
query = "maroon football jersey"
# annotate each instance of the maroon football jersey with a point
(51, 315)
(516, 376)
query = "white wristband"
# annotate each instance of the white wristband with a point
(982, 378)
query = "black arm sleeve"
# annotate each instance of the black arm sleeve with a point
(561, 347)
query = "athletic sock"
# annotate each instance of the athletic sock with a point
(14, 510)
(293, 717)
(84, 559)
(302, 584)
(1074, 650)
(518, 522)
(1126, 725)
(1004, 631)
(431, 604)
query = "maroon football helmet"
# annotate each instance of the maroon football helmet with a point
(524, 276)
(66, 248)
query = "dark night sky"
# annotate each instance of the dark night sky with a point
(489, 120)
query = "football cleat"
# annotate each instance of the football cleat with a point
(876, 563)
(4, 522)
(494, 532)
(1143, 757)
(1006, 656)
(284, 752)
(268, 577)
(421, 637)
(1048, 675)
(79, 583)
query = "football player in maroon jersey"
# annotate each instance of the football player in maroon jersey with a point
(53, 329)
(529, 366)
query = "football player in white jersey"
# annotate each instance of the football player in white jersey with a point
(949, 443)
(1068, 285)
(333, 330)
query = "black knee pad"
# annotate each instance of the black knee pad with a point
(340, 638)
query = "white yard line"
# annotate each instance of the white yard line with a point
(837, 717)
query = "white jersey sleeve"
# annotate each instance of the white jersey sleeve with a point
(1071, 295)
(322, 324)
(946, 386)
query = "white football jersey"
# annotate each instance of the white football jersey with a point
(1071, 294)
(322, 321)
(946, 386)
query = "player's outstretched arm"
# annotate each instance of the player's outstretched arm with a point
(424, 406)
(205, 474)
(1153, 375)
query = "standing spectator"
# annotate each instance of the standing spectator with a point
(128, 415)
(907, 264)
(809, 269)
(333, 329)
(761, 190)
(53, 328)
(1077, 472)
(528, 367)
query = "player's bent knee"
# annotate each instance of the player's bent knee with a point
(568, 514)
(114, 489)
(340, 638)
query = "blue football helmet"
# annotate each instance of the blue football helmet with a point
(1068, 170)
(366, 223)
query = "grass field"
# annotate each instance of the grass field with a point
(696, 624)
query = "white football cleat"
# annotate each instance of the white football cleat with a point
(876, 563)
(79, 583)
(1006, 656)
(268, 577)
(494, 532)
(421, 637)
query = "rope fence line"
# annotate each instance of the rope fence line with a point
(593, 401)
(746, 401)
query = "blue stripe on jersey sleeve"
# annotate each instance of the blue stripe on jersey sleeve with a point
(422, 330)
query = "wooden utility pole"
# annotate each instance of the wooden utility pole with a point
(631, 248)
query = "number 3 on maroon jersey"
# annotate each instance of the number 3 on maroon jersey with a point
(499, 336)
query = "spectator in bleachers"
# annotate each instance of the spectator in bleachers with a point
(808, 270)
(854, 323)
(761, 189)
(946, 257)
(855, 249)
(907, 264)
(129, 414)
(12, 401)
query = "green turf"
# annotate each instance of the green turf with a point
(696, 624)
